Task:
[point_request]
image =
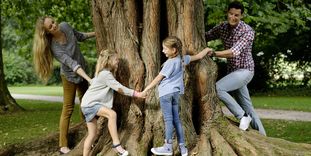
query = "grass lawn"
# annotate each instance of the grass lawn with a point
(295, 131)
(282, 103)
(37, 90)
(285, 103)
(40, 119)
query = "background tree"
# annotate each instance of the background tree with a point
(7, 103)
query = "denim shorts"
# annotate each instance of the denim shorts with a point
(90, 112)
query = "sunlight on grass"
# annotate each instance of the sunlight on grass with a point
(284, 103)
(37, 90)
(39, 119)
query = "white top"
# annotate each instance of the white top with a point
(101, 90)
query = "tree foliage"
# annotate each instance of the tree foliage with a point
(282, 27)
(18, 18)
(17, 71)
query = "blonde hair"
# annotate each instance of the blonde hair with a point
(173, 42)
(43, 57)
(104, 60)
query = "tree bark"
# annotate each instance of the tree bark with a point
(7, 103)
(135, 29)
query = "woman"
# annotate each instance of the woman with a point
(60, 41)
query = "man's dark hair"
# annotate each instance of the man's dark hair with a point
(236, 5)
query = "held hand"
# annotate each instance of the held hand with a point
(144, 94)
(208, 49)
(202, 54)
(139, 94)
(211, 53)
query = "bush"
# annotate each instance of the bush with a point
(91, 64)
(55, 77)
(17, 70)
(20, 71)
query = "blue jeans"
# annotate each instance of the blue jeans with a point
(236, 83)
(170, 105)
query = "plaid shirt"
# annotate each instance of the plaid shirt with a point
(239, 40)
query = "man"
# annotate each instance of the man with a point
(237, 38)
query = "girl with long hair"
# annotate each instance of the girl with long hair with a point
(98, 100)
(59, 41)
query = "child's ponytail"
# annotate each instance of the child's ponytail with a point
(175, 42)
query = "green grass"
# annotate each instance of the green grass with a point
(42, 118)
(284, 103)
(37, 90)
(295, 131)
(39, 119)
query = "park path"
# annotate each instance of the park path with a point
(262, 113)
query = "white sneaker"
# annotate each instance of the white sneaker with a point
(166, 149)
(244, 123)
(183, 150)
(125, 153)
(120, 150)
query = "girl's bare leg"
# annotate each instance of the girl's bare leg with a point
(89, 140)
(112, 125)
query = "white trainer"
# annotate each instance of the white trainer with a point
(244, 123)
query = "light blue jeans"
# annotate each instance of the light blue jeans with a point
(170, 106)
(239, 101)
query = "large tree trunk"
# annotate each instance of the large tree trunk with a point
(135, 29)
(7, 103)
